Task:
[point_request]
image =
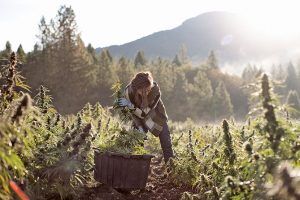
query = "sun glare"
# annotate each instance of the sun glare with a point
(276, 22)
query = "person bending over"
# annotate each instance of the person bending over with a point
(143, 97)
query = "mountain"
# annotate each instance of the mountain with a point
(231, 37)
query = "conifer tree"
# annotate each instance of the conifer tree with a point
(183, 55)
(140, 59)
(90, 49)
(8, 47)
(179, 100)
(21, 54)
(273, 71)
(249, 73)
(105, 70)
(36, 48)
(45, 36)
(292, 82)
(64, 64)
(109, 56)
(222, 106)
(199, 96)
(124, 70)
(7, 51)
(281, 73)
(293, 101)
(212, 61)
(176, 60)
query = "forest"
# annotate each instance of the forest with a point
(234, 137)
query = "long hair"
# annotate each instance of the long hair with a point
(141, 81)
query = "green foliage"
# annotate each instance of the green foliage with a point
(212, 61)
(228, 151)
(249, 73)
(53, 153)
(7, 51)
(250, 164)
(21, 54)
(140, 59)
(183, 55)
(293, 101)
(11, 165)
(92, 52)
(63, 150)
(222, 106)
(125, 142)
(124, 70)
(176, 60)
(178, 99)
(14, 132)
(123, 112)
(43, 100)
(105, 70)
(61, 54)
(292, 81)
(10, 79)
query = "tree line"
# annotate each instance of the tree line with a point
(76, 74)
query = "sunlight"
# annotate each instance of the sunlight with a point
(274, 21)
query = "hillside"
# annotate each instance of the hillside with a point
(230, 36)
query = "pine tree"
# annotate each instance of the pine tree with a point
(45, 36)
(21, 54)
(109, 56)
(292, 82)
(7, 51)
(212, 61)
(165, 74)
(179, 100)
(105, 77)
(273, 71)
(249, 73)
(199, 96)
(124, 70)
(203, 85)
(176, 60)
(222, 106)
(105, 71)
(293, 102)
(246, 73)
(281, 73)
(140, 59)
(183, 55)
(91, 50)
(66, 27)
(8, 47)
(63, 56)
(36, 48)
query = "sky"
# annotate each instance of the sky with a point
(112, 22)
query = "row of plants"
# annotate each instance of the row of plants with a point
(45, 154)
(50, 156)
(256, 159)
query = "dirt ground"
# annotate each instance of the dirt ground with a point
(158, 187)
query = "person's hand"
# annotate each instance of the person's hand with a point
(123, 102)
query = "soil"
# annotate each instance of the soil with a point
(159, 187)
